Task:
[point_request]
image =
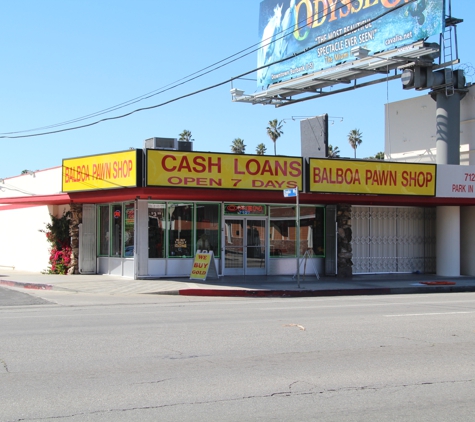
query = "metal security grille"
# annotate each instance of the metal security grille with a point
(393, 240)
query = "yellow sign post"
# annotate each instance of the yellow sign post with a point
(203, 265)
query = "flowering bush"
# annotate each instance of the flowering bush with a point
(57, 234)
(59, 260)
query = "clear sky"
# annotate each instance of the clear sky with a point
(65, 59)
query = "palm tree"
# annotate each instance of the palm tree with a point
(355, 139)
(238, 147)
(261, 149)
(185, 136)
(333, 152)
(378, 156)
(274, 130)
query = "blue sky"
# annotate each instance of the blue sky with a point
(65, 59)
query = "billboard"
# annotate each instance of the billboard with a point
(106, 171)
(222, 171)
(332, 28)
(371, 177)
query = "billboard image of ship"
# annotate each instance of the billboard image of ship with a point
(318, 34)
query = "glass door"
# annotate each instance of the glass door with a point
(244, 246)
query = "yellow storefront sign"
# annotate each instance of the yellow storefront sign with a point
(107, 171)
(225, 171)
(200, 266)
(203, 266)
(370, 177)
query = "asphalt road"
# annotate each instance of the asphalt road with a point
(384, 358)
(11, 297)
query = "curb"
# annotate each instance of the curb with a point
(282, 293)
(325, 293)
(32, 286)
(243, 293)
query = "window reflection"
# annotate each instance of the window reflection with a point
(104, 230)
(156, 230)
(116, 229)
(282, 232)
(129, 229)
(312, 233)
(207, 228)
(180, 230)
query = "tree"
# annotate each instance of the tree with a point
(378, 156)
(261, 149)
(238, 147)
(274, 130)
(58, 235)
(185, 136)
(355, 139)
(333, 152)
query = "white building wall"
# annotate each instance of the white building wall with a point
(41, 182)
(22, 245)
(410, 134)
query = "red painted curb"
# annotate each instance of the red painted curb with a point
(282, 293)
(438, 283)
(31, 286)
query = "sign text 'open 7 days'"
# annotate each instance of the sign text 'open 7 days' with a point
(223, 171)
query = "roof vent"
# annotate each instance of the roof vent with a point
(160, 143)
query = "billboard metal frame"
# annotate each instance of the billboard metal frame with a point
(348, 74)
(360, 70)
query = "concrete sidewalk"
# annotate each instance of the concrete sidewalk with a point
(235, 286)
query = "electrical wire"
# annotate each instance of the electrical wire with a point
(213, 67)
(360, 25)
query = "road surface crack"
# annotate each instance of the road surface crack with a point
(5, 366)
(151, 382)
(257, 396)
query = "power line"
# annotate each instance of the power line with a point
(358, 26)
(213, 67)
(158, 91)
(175, 84)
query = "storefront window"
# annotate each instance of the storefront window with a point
(129, 229)
(282, 232)
(207, 228)
(104, 230)
(156, 230)
(312, 232)
(180, 233)
(116, 229)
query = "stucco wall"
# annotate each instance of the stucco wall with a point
(410, 134)
(22, 245)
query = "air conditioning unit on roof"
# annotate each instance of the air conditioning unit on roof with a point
(160, 143)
